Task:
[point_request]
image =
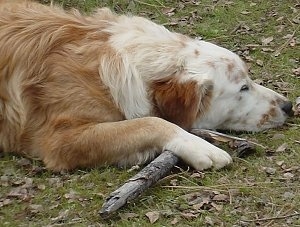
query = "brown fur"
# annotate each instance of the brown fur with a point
(53, 104)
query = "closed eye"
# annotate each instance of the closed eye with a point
(244, 88)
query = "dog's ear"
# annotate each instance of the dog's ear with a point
(182, 102)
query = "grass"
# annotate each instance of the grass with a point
(262, 189)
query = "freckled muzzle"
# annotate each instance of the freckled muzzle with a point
(287, 108)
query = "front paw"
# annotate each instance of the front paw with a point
(197, 152)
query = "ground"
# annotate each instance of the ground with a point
(259, 190)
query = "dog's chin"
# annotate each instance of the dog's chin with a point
(262, 128)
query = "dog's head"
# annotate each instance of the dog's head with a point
(214, 91)
(188, 82)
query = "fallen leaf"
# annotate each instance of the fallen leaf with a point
(209, 221)
(173, 182)
(216, 206)
(24, 162)
(280, 163)
(153, 216)
(288, 175)
(245, 12)
(270, 170)
(288, 195)
(293, 42)
(259, 63)
(189, 215)
(278, 136)
(61, 216)
(266, 41)
(4, 181)
(296, 71)
(198, 175)
(168, 11)
(174, 221)
(41, 187)
(126, 216)
(220, 197)
(282, 147)
(5, 202)
(297, 107)
(296, 20)
(267, 49)
(203, 204)
(36, 208)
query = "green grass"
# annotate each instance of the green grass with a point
(253, 192)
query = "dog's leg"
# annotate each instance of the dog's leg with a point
(113, 142)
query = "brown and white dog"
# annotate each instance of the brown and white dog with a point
(81, 91)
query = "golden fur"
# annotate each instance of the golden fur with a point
(71, 97)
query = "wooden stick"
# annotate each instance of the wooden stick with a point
(273, 218)
(154, 171)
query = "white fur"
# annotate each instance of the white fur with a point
(197, 152)
(150, 52)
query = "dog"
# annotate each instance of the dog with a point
(83, 91)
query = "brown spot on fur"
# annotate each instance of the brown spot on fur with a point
(230, 67)
(211, 64)
(197, 53)
(267, 116)
(181, 103)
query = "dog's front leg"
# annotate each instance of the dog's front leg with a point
(128, 141)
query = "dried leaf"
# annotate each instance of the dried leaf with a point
(35, 208)
(245, 12)
(153, 216)
(282, 147)
(278, 136)
(216, 206)
(5, 202)
(24, 162)
(288, 175)
(267, 49)
(288, 195)
(209, 221)
(4, 180)
(126, 216)
(202, 205)
(296, 71)
(293, 42)
(220, 197)
(174, 221)
(270, 170)
(189, 215)
(259, 63)
(280, 163)
(266, 41)
(296, 20)
(61, 216)
(41, 187)
(168, 11)
(297, 107)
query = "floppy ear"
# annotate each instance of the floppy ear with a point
(182, 102)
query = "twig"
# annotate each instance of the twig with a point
(148, 4)
(278, 51)
(209, 134)
(154, 171)
(273, 218)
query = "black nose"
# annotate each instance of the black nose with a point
(287, 107)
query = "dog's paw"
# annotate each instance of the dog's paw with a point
(197, 152)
